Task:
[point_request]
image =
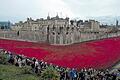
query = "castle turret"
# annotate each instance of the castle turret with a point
(48, 17)
(117, 23)
(57, 16)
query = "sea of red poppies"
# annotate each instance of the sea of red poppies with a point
(98, 54)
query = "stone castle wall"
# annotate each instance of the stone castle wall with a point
(58, 31)
(61, 39)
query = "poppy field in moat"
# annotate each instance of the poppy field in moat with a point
(99, 54)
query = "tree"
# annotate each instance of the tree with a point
(3, 58)
(50, 74)
(2, 27)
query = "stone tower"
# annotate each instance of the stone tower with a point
(117, 23)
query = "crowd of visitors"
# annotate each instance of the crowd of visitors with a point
(65, 73)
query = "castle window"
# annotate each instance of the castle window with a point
(61, 28)
(53, 33)
(66, 32)
(72, 28)
(67, 28)
(53, 27)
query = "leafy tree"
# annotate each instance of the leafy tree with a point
(26, 70)
(50, 74)
(3, 58)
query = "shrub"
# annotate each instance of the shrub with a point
(3, 58)
(26, 70)
(50, 74)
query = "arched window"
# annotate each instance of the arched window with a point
(53, 33)
(66, 33)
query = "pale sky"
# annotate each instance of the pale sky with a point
(16, 10)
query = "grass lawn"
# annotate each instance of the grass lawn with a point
(10, 72)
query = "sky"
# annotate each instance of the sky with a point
(17, 10)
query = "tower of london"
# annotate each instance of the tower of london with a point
(56, 30)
